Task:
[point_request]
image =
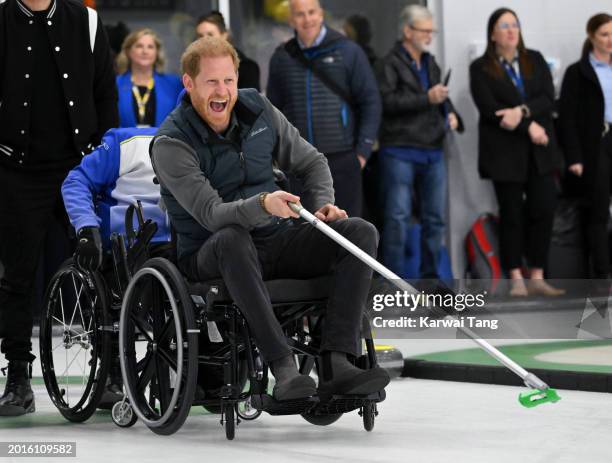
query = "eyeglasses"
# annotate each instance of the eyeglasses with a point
(507, 26)
(424, 31)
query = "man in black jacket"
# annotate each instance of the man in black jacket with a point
(416, 117)
(58, 96)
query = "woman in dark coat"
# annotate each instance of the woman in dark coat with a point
(585, 119)
(513, 90)
(213, 25)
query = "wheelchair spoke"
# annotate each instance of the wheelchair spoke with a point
(84, 365)
(78, 336)
(78, 296)
(63, 320)
(143, 330)
(58, 320)
(148, 369)
(70, 364)
(163, 384)
(159, 317)
(60, 344)
(167, 358)
(78, 302)
(167, 331)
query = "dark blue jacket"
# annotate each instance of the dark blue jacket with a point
(323, 117)
(167, 89)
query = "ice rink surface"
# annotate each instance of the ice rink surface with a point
(421, 421)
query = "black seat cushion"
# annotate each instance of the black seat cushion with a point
(283, 290)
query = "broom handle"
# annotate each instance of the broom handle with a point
(530, 379)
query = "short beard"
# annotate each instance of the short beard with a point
(425, 47)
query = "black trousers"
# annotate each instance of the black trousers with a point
(526, 212)
(297, 251)
(348, 182)
(598, 211)
(28, 201)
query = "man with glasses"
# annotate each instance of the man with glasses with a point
(417, 114)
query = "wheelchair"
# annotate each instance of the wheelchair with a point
(80, 319)
(180, 344)
(172, 332)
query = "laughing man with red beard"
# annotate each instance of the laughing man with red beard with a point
(213, 156)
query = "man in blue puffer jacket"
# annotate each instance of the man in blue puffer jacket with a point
(324, 85)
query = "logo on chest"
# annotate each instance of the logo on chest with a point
(257, 132)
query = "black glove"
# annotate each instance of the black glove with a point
(88, 254)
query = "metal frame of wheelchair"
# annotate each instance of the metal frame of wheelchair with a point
(163, 319)
(168, 332)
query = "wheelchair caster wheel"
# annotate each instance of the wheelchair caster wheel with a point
(246, 411)
(123, 414)
(368, 412)
(229, 421)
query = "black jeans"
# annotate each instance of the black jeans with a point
(28, 200)
(526, 212)
(348, 182)
(298, 251)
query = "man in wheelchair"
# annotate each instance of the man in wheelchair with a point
(214, 157)
(97, 194)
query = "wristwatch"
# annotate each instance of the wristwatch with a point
(262, 199)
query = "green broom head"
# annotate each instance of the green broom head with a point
(536, 397)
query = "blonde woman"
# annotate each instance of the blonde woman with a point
(146, 95)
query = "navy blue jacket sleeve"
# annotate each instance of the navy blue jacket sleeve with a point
(273, 90)
(366, 97)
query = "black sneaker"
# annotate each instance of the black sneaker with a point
(112, 394)
(18, 398)
(342, 377)
(298, 387)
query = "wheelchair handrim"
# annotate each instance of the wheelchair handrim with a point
(122, 347)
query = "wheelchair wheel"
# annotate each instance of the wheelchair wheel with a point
(158, 345)
(245, 410)
(310, 366)
(123, 414)
(321, 420)
(229, 421)
(368, 413)
(75, 341)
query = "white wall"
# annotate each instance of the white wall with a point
(554, 27)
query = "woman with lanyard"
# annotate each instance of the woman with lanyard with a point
(513, 90)
(585, 120)
(146, 96)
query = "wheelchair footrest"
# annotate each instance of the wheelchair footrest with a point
(267, 403)
(331, 405)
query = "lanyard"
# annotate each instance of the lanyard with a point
(516, 79)
(141, 101)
